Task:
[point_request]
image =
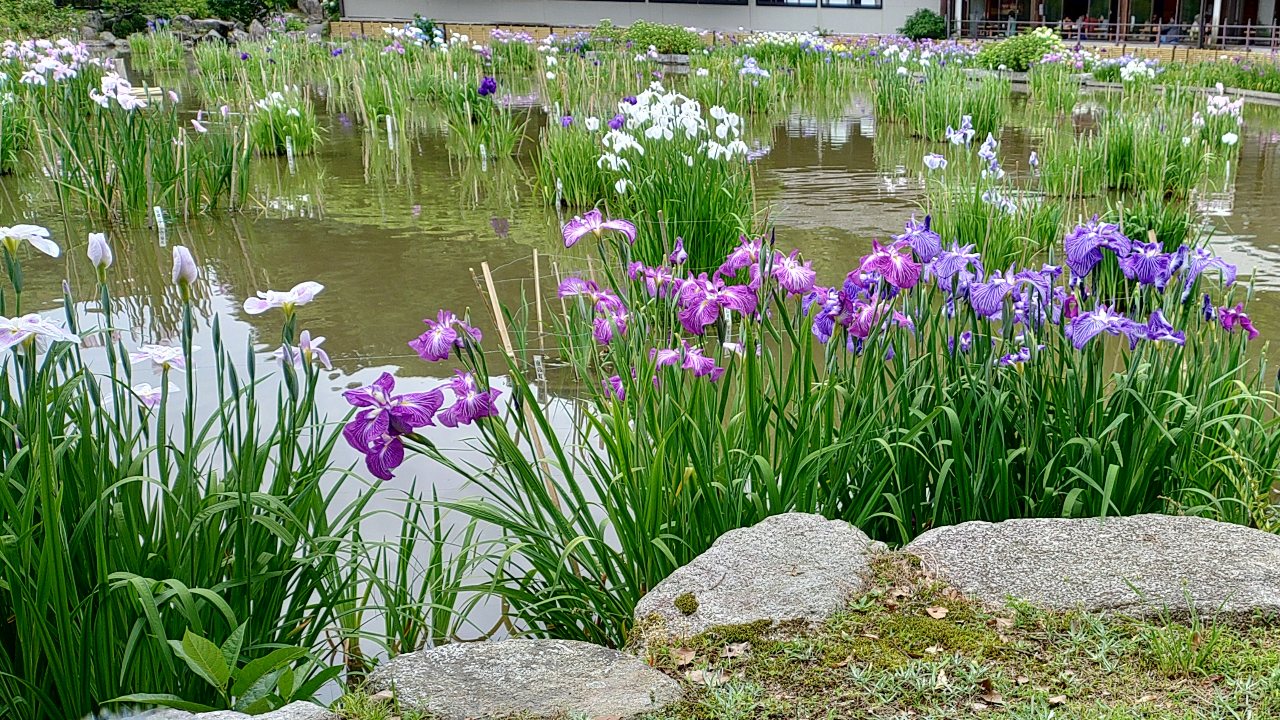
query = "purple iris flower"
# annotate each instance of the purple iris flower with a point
(602, 300)
(657, 280)
(630, 100)
(678, 255)
(613, 386)
(795, 277)
(960, 264)
(1149, 264)
(1022, 355)
(594, 222)
(1084, 245)
(664, 357)
(604, 328)
(488, 86)
(244, 56)
(443, 334)
(1203, 260)
(1089, 325)
(894, 263)
(926, 243)
(617, 122)
(697, 363)
(566, 121)
(1232, 318)
(471, 403)
(987, 297)
(376, 428)
(1208, 310)
(1160, 329)
(747, 254)
(965, 343)
(703, 299)
(336, 52)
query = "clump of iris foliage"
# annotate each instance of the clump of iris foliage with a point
(932, 386)
(178, 541)
(284, 123)
(480, 124)
(157, 49)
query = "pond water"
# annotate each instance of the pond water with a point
(395, 240)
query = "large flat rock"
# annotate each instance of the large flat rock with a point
(530, 678)
(1142, 565)
(300, 710)
(787, 567)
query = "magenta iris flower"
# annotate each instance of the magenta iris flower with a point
(384, 413)
(602, 299)
(657, 280)
(612, 323)
(595, 223)
(471, 403)
(1232, 318)
(926, 243)
(1084, 245)
(443, 333)
(678, 255)
(613, 387)
(702, 300)
(747, 254)
(894, 263)
(795, 277)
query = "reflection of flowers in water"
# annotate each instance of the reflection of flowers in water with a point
(1216, 204)
(299, 205)
(501, 226)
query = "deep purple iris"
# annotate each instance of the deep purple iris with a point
(1085, 243)
(566, 121)
(957, 267)
(376, 428)
(1148, 264)
(443, 333)
(488, 86)
(617, 122)
(1200, 261)
(1089, 325)
(471, 403)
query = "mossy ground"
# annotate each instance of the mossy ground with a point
(914, 648)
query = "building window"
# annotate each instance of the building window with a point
(853, 3)
(703, 2)
(787, 3)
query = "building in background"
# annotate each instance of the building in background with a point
(836, 16)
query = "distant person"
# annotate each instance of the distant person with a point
(1011, 26)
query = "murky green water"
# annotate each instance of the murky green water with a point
(396, 237)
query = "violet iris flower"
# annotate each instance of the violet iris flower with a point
(987, 297)
(617, 122)
(605, 327)
(472, 403)
(703, 299)
(566, 121)
(747, 254)
(926, 243)
(1089, 325)
(795, 277)
(594, 222)
(1232, 318)
(958, 263)
(1203, 260)
(656, 279)
(443, 333)
(1084, 245)
(678, 255)
(894, 263)
(383, 413)
(603, 300)
(488, 86)
(1149, 264)
(1160, 329)
(613, 387)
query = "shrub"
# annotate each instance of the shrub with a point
(1020, 52)
(924, 23)
(35, 18)
(242, 10)
(667, 39)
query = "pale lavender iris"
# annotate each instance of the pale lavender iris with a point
(594, 222)
(307, 351)
(472, 402)
(1148, 264)
(185, 270)
(894, 263)
(794, 276)
(33, 327)
(384, 415)
(443, 334)
(300, 294)
(11, 238)
(165, 357)
(149, 396)
(926, 243)
(1085, 243)
(703, 299)
(934, 161)
(1088, 325)
(1232, 318)
(100, 251)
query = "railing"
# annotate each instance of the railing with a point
(1157, 32)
